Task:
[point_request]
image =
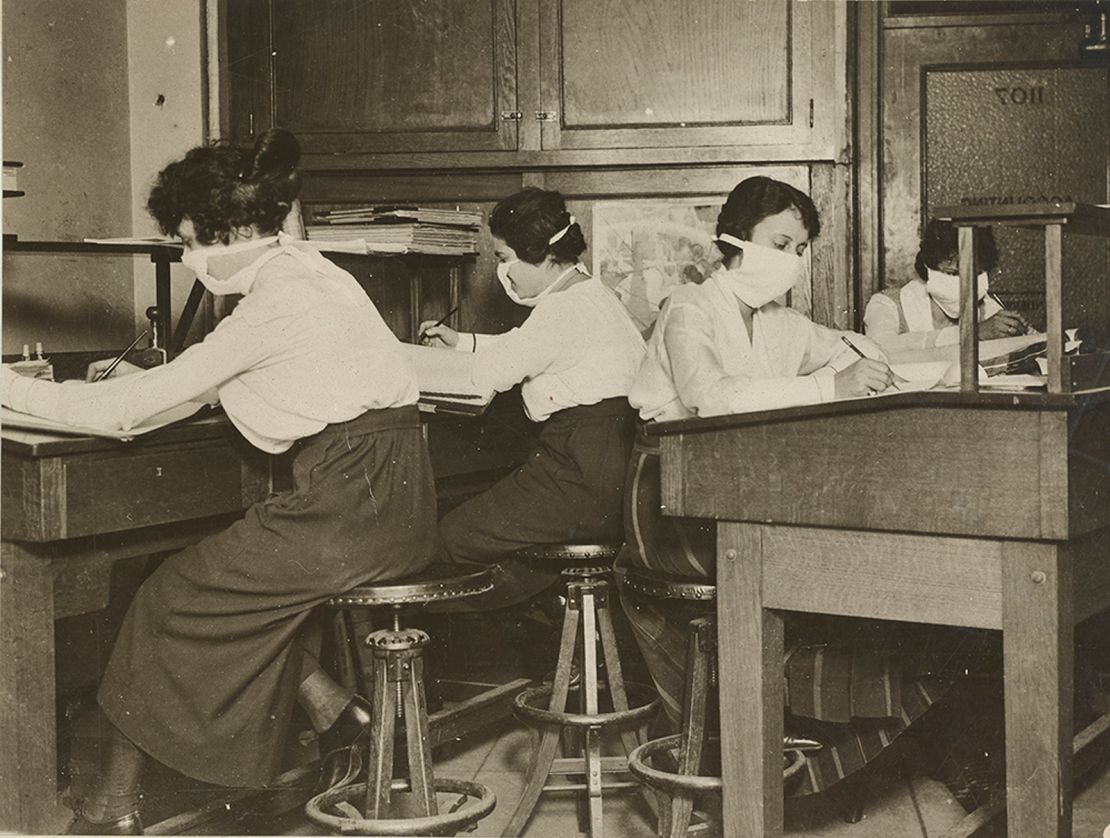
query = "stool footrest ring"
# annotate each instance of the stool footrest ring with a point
(671, 783)
(447, 823)
(666, 780)
(525, 709)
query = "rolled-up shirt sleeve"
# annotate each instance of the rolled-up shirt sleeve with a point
(124, 402)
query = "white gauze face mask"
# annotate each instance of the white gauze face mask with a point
(764, 274)
(507, 284)
(945, 291)
(510, 292)
(196, 260)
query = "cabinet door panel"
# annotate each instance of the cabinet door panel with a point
(377, 76)
(680, 72)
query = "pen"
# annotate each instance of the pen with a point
(856, 349)
(440, 322)
(108, 369)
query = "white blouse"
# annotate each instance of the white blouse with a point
(577, 347)
(883, 318)
(304, 348)
(701, 362)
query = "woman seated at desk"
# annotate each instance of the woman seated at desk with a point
(213, 653)
(728, 346)
(577, 354)
(925, 312)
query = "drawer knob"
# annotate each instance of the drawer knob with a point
(157, 471)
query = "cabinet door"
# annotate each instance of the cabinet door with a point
(422, 75)
(688, 73)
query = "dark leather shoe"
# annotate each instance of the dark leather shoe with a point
(341, 745)
(129, 824)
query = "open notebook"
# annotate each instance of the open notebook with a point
(445, 385)
(25, 421)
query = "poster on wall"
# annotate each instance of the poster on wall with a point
(644, 249)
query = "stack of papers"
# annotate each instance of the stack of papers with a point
(397, 230)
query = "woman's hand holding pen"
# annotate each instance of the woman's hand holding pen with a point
(1003, 324)
(862, 378)
(433, 333)
(122, 368)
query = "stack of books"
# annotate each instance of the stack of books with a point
(397, 230)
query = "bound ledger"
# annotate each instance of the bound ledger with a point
(445, 384)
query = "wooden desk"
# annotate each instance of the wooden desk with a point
(987, 510)
(74, 506)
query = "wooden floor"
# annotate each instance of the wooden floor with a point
(899, 802)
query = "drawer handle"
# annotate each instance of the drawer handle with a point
(157, 471)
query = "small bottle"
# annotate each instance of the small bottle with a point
(26, 352)
(38, 351)
(155, 354)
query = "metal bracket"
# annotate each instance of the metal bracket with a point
(512, 116)
(547, 116)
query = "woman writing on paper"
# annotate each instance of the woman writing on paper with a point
(728, 346)
(212, 653)
(576, 355)
(925, 312)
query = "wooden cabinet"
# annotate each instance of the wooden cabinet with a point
(664, 73)
(537, 81)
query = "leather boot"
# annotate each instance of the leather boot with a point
(342, 745)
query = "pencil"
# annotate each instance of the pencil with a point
(108, 369)
(439, 322)
(856, 349)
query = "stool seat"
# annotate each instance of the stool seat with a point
(438, 582)
(658, 585)
(571, 553)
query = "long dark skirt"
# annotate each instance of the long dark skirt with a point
(853, 684)
(570, 489)
(205, 672)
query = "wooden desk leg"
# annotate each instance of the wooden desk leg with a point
(1037, 631)
(28, 759)
(749, 652)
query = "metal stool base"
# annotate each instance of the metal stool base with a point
(322, 810)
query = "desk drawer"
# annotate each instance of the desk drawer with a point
(132, 486)
(108, 494)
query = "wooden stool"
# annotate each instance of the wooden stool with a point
(679, 788)
(398, 693)
(586, 573)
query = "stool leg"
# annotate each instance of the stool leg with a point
(380, 751)
(549, 740)
(615, 675)
(693, 738)
(615, 678)
(416, 730)
(589, 685)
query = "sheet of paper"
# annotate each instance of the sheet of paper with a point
(14, 419)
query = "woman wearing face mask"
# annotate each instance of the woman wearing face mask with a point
(925, 312)
(212, 653)
(576, 355)
(728, 346)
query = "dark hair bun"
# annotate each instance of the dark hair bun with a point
(276, 152)
(529, 219)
